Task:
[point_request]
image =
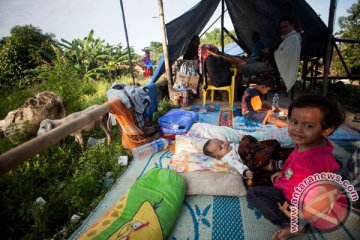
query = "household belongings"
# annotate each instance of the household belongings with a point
(135, 99)
(132, 136)
(177, 121)
(150, 148)
(186, 80)
(147, 211)
(218, 70)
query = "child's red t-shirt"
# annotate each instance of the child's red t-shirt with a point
(301, 165)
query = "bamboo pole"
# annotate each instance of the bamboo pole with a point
(165, 46)
(12, 158)
(329, 45)
(222, 24)
(127, 42)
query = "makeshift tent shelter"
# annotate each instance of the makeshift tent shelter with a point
(247, 17)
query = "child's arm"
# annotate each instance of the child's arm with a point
(237, 165)
(275, 176)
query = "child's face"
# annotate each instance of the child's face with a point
(218, 148)
(305, 127)
(264, 89)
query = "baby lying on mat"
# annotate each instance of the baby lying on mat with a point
(228, 153)
(249, 157)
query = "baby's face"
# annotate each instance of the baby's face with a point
(218, 148)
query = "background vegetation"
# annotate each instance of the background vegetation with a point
(349, 29)
(69, 180)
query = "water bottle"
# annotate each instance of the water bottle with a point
(150, 148)
(276, 100)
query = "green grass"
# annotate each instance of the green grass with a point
(71, 181)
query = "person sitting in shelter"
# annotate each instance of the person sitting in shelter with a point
(257, 51)
(192, 49)
(253, 109)
(287, 11)
(285, 58)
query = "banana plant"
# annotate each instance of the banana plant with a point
(93, 58)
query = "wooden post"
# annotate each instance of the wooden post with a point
(165, 46)
(19, 154)
(329, 45)
(127, 42)
(222, 24)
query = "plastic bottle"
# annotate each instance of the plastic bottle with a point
(150, 148)
(276, 100)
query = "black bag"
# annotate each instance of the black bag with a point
(218, 70)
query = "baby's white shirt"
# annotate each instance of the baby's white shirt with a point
(233, 159)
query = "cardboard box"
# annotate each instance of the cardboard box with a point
(191, 81)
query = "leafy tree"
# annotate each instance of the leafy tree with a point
(214, 37)
(350, 29)
(93, 58)
(25, 49)
(157, 50)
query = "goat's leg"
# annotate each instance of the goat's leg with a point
(106, 128)
(79, 140)
(107, 132)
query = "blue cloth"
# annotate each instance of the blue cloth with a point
(152, 93)
(257, 50)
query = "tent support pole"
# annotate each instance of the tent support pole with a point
(222, 24)
(127, 42)
(329, 44)
(165, 46)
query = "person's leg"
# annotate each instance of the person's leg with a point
(265, 198)
(284, 233)
(254, 116)
(255, 68)
(278, 122)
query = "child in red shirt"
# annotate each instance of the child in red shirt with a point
(311, 119)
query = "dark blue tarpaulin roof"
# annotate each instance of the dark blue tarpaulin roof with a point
(247, 16)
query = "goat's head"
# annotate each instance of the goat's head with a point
(45, 126)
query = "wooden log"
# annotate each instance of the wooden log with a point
(12, 158)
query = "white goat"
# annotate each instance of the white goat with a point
(48, 124)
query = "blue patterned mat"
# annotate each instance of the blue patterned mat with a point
(210, 217)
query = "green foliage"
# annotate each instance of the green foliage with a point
(214, 37)
(64, 80)
(94, 59)
(346, 94)
(157, 51)
(14, 100)
(163, 107)
(69, 181)
(350, 29)
(20, 53)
